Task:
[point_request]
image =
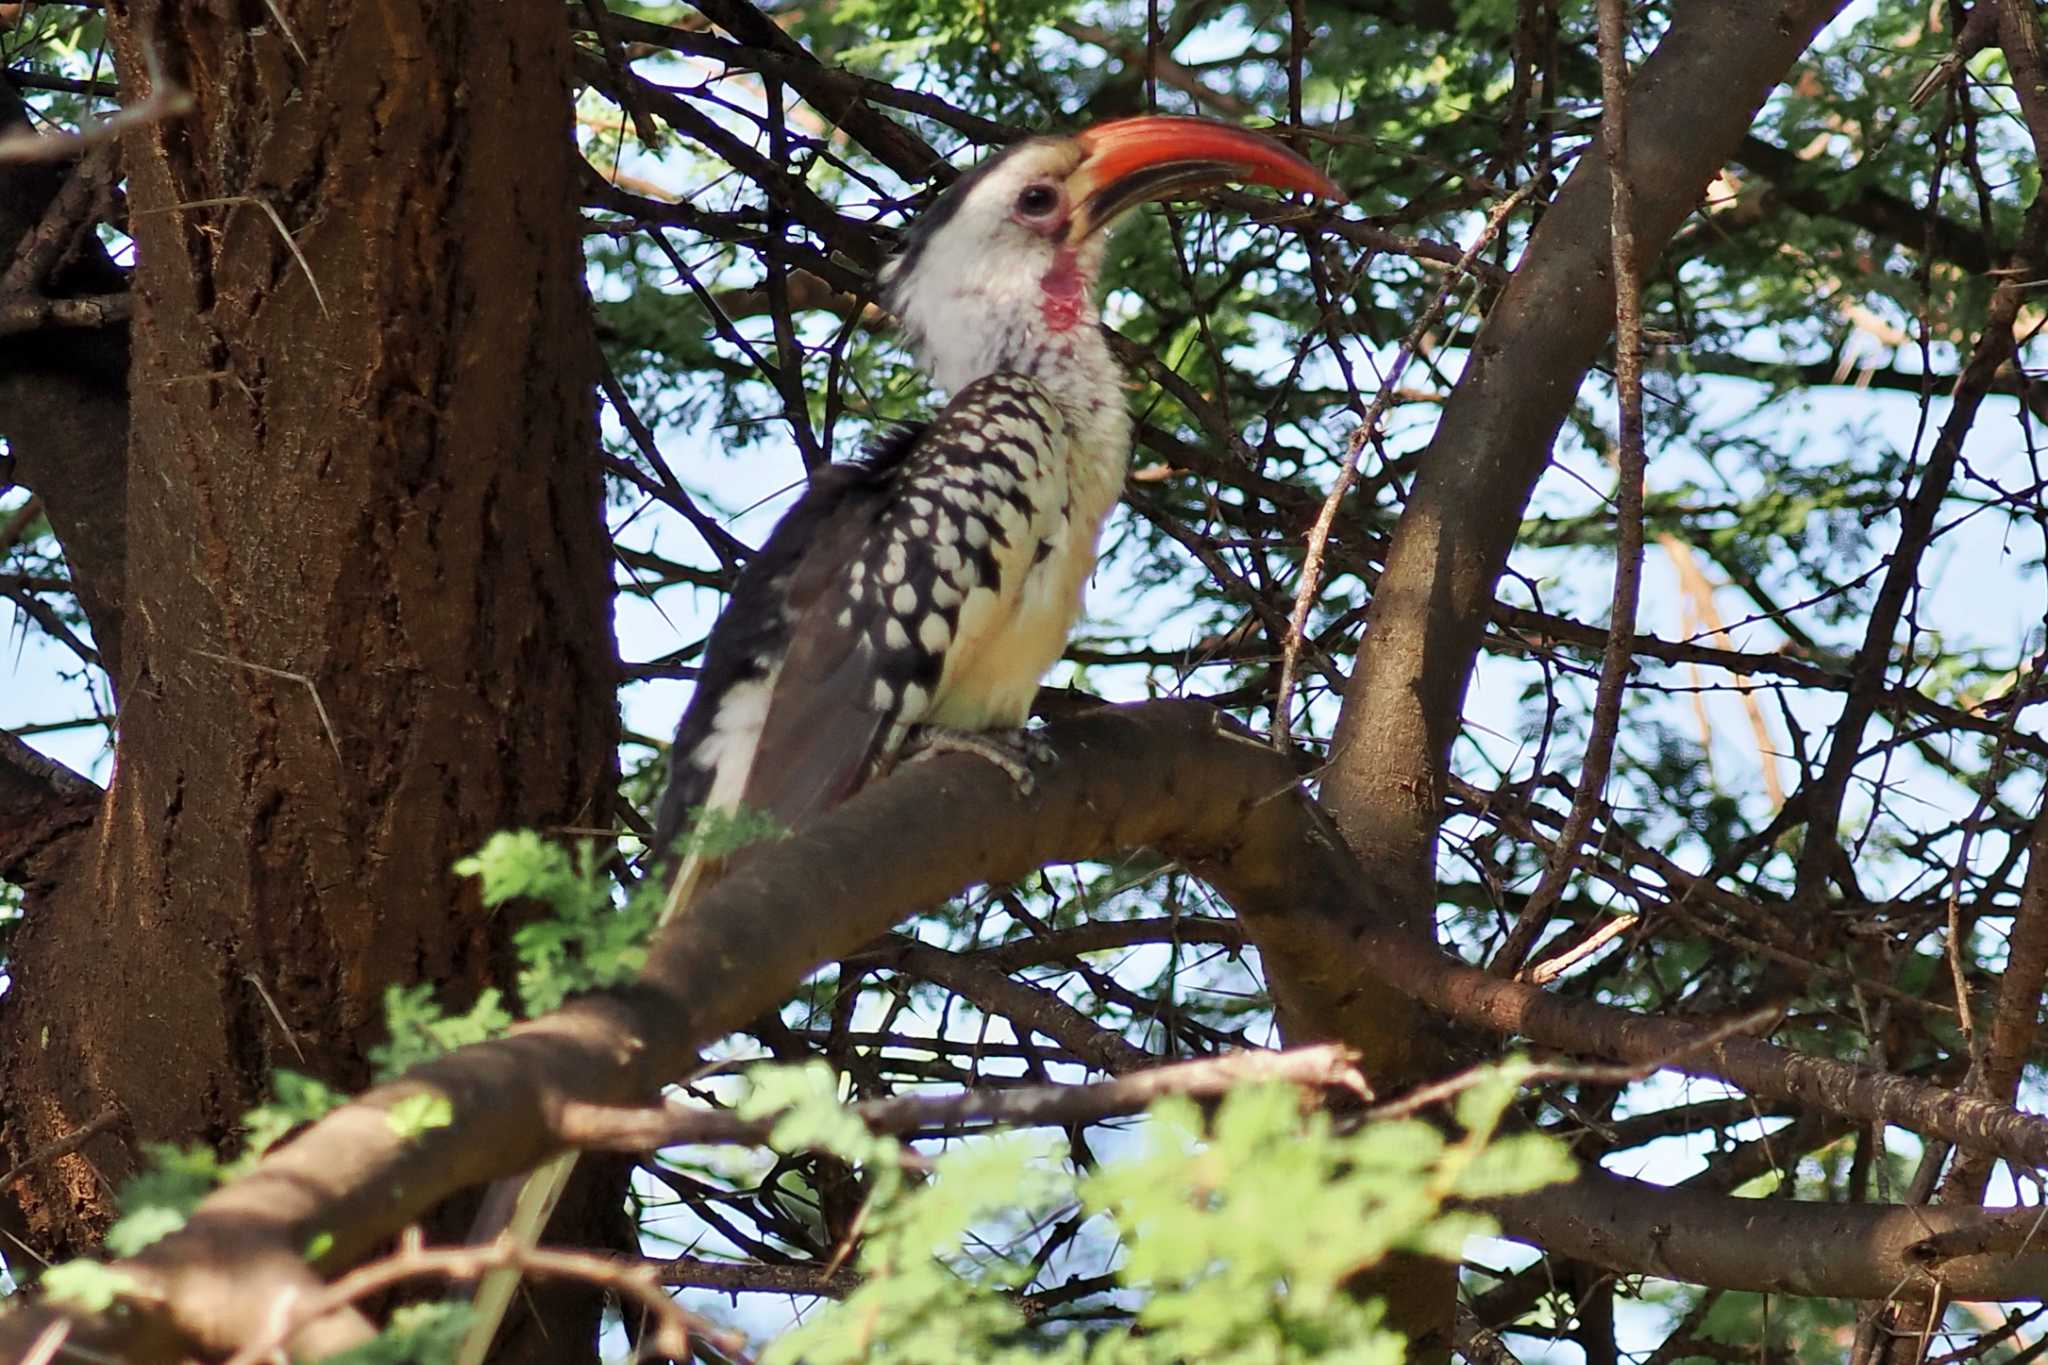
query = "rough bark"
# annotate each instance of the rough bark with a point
(367, 577)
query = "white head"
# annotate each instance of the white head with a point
(1000, 273)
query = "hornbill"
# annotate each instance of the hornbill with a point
(932, 584)
(929, 585)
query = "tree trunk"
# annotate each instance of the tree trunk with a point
(366, 592)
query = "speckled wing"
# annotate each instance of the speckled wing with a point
(951, 536)
(839, 631)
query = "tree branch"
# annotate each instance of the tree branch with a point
(645, 1129)
(1774, 1246)
(1617, 658)
(1822, 858)
(63, 394)
(42, 802)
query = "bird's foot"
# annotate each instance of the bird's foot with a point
(1014, 751)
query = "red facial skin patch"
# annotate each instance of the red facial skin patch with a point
(1065, 292)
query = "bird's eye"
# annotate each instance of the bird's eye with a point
(1037, 201)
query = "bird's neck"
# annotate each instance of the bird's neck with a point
(1075, 367)
(1068, 358)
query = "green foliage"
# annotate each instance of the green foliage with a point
(913, 1306)
(417, 1114)
(422, 1029)
(805, 1105)
(519, 863)
(906, 30)
(86, 1285)
(1783, 482)
(295, 1099)
(417, 1334)
(587, 941)
(155, 1203)
(1238, 1230)
(722, 833)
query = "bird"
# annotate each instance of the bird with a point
(919, 593)
(923, 591)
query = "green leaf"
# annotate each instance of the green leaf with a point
(421, 1113)
(139, 1229)
(587, 941)
(418, 1334)
(87, 1285)
(295, 1100)
(1239, 1230)
(422, 1030)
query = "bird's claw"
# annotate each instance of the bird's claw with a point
(1016, 752)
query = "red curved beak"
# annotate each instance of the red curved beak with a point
(1132, 161)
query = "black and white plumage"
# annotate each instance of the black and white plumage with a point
(934, 581)
(862, 615)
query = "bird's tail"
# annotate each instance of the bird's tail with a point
(532, 1207)
(541, 1190)
(682, 888)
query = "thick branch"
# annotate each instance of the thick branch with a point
(1802, 185)
(1773, 1246)
(2015, 1018)
(63, 395)
(41, 803)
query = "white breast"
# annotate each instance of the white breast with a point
(1009, 636)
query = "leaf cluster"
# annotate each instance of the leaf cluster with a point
(1236, 1228)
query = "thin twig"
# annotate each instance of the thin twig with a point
(304, 680)
(608, 39)
(284, 26)
(634, 1279)
(276, 1014)
(32, 312)
(63, 1146)
(1618, 657)
(229, 200)
(164, 101)
(1361, 437)
(49, 1343)
(1742, 1026)
(1479, 1343)
(1551, 968)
